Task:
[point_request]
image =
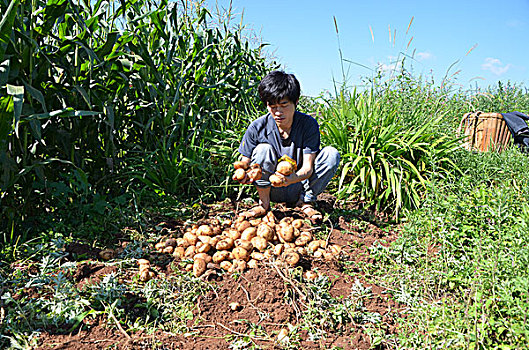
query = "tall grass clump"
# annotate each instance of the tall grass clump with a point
(389, 149)
(106, 99)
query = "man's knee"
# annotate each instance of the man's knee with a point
(263, 148)
(330, 156)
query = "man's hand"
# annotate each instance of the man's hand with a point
(282, 180)
(246, 174)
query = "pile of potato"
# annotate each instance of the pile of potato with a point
(240, 244)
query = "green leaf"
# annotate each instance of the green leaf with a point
(36, 94)
(18, 100)
(6, 26)
(4, 72)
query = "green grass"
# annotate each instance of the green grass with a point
(109, 114)
(461, 262)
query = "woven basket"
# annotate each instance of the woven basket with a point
(484, 132)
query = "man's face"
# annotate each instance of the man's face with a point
(283, 113)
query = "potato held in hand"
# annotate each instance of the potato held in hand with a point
(284, 167)
(276, 180)
(255, 172)
(240, 165)
(239, 174)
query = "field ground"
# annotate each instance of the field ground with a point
(343, 308)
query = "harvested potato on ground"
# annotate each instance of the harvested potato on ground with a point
(225, 244)
(203, 247)
(168, 250)
(298, 223)
(214, 240)
(204, 230)
(206, 257)
(335, 249)
(239, 265)
(315, 245)
(259, 243)
(212, 266)
(268, 254)
(287, 220)
(270, 218)
(235, 306)
(252, 264)
(199, 267)
(190, 251)
(291, 257)
(278, 249)
(247, 245)
(319, 253)
(233, 234)
(143, 262)
(257, 256)
(255, 222)
(220, 256)
(240, 253)
(286, 233)
(302, 241)
(181, 242)
(107, 254)
(242, 225)
(179, 252)
(328, 255)
(309, 235)
(265, 231)
(302, 250)
(146, 275)
(226, 265)
(191, 238)
(204, 239)
(249, 233)
(171, 242)
(159, 246)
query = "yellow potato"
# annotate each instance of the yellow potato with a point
(199, 267)
(265, 231)
(247, 245)
(239, 175)
(285, 168)
(276, 180)
(220, 256)
(291, 257)
(239, 253)
(259, 243)
(225, 244)
(249, 233)
(204, 230)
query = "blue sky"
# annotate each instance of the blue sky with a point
(302, 37)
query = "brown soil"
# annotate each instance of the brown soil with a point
(268, 298)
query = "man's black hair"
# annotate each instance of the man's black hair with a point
(278, 85)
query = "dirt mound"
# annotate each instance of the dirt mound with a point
(258, 306)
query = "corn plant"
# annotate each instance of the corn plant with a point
(130, 95)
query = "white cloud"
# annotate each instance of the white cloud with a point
(515, 23)
(495, 66)
(393, 65)
(421, 56)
